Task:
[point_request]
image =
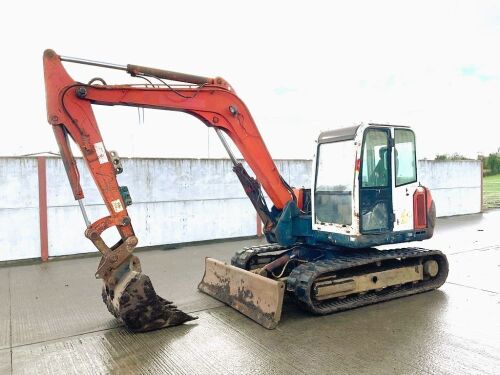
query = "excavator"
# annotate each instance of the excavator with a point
(322, 241)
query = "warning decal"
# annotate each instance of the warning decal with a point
(101, 152)
(117, 205)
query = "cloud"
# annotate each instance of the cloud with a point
(282, 90)
(473, 71)
(469, 70)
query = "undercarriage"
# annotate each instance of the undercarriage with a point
(331, 279)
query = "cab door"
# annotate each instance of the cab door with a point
(375, 192)
(405, 178)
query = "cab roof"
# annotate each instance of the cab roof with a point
(349, 133)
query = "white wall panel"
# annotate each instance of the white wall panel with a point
(175, 201)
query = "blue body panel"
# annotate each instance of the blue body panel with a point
(295, 227)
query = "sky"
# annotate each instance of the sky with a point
(300, 67)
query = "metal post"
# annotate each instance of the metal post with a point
(482, 187)
(42, 206)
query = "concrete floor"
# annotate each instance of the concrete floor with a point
(52, 320)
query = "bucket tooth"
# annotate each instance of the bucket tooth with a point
(255, 296)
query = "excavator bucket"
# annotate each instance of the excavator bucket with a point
(255, 296)
(131, 298)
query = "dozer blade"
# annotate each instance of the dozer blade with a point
(131, 298)
(258, 297)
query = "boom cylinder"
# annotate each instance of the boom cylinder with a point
(226, 146)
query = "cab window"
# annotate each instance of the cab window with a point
(405, 157)
(334, 183)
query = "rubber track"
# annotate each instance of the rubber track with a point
(243, 257)
(301, 279)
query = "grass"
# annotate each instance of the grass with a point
(491, 191)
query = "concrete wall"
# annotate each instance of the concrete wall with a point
(19, 228)
(455, 185)
(175, 201)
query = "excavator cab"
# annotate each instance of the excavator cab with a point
(366, 190)
(365, 193)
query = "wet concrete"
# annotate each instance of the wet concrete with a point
(60, 325)
(4, 309)
(5, 358)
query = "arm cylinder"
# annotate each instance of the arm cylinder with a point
(167, 74)
(101, 64)
(143, 70)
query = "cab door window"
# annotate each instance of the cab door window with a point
(375, 195)
(375, 168)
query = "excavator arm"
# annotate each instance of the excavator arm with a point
(214, 102)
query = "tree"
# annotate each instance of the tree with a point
(492, 163)
(454, 156)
